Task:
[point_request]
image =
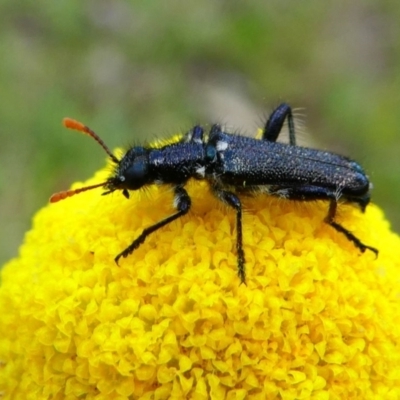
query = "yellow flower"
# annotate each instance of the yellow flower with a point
(317, 319)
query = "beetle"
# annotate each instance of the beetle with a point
(234, 165)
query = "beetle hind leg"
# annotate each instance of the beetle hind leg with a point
(310, 193)
(330, 219)
(275, 122)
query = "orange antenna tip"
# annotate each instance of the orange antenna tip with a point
(78, 126)
(58, 196)
(69, 193)
(73, 124)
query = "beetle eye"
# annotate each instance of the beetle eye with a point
(136, 175)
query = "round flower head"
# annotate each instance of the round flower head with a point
(317, 319)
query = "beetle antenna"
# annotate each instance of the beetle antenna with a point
(78, 126)
(69, 193)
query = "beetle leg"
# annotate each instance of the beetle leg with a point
(233, 201)
(273, 126)
(310, 193)
(330, 219)
(182, 202)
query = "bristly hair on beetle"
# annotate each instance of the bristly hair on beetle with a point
(233, 165)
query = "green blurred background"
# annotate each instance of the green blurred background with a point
(146, 69)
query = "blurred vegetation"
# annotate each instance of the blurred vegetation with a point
(145, 69)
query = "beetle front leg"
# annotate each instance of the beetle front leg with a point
(182, 202)
(195, 135)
